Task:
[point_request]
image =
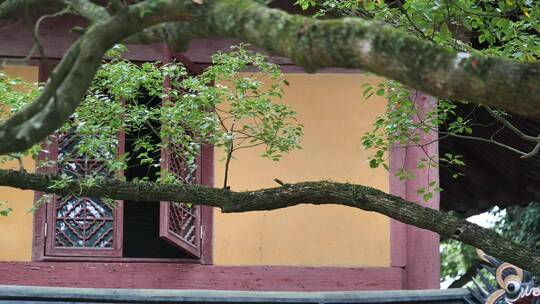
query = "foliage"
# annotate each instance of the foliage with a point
(507, 28)
(243, 115)
(4, 209)
(520, 223)
(15, 94)
(403, 125)
(499, 28)
(456, 259)
(221, 106)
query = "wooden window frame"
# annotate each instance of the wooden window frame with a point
(41, 251)
(165, 214)
(118, 219)
(38, 243)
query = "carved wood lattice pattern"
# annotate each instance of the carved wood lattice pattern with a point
(182, 221)
(82, 222)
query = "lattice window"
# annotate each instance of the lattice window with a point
(88, 227)
(180, 223)
(81, 225)
(83, 222)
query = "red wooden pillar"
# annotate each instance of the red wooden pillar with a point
(416, 250)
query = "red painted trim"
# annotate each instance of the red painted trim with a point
(51, 204)
(398, 237)
(192, 276)
(91, 258)
(414, 249)
(207, 213)
(43, 74)
(164, 215)
(192, 67)
(57, 38)
(119, 211)
(175, 240)
(165, 207)
(206, 168)
(423, 261)
(38, 240)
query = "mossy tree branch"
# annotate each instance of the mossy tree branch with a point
(72, 77)
(317, 193)
(313, 44)
(364, 44)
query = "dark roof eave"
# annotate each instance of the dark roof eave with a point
(22, 294)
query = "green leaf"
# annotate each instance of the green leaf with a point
(445, 31)
(427, 196)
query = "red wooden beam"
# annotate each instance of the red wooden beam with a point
(192, 276)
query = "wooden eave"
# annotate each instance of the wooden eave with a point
(492, 176)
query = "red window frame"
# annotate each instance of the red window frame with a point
(43, 216)
(118, 224)
(185, 233)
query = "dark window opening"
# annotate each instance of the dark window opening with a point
(142, 219)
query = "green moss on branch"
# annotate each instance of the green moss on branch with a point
(373, 46)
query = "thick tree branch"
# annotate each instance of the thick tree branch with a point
(357, 43)
(63, 93)
(313, 44)
(88, 10)
(370, 45)
(317, 193)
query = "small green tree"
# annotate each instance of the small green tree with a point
(221, 107)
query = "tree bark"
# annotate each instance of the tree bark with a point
(378, 48)
(72, 77)
(310, 43)
(316, 193)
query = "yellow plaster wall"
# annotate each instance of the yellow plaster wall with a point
(331, 108)
(16, 229)
(334, 115)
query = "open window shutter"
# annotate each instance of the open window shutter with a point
(81, 226)
(180, 223)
